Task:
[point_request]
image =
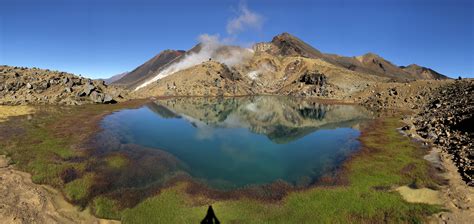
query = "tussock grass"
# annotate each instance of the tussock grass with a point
(78, 189)
(106, 208)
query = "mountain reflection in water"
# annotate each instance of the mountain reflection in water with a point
(229, 143)
(281, 119)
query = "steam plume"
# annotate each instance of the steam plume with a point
(213, 47)
(210, 45)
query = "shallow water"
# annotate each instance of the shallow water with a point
(229, 143)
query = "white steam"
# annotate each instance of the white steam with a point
(211, 48)
(245, 19)
(262, 68)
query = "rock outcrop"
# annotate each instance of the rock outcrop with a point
(20, 85)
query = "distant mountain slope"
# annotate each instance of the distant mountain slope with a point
(271, 67)
(423, 72)
(148, 69)
(114, 78)
(289, 45)
(286, 44)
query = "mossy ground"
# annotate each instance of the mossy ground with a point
(116, 161)
(47, 150)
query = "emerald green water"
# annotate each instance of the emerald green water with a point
(235, 142)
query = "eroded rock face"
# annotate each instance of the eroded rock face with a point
(313, 78)
(20, 85)
(447, 121)
(310, 83)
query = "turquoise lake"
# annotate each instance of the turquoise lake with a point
(229, 143)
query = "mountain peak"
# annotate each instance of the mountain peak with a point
(423, 72)
(289, 45)
(283, 35)
(413, 66)
(371, 55)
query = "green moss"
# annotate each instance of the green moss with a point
(382, 166)
(41, 154)
(106, 208)
(78, 189)
(116, 161)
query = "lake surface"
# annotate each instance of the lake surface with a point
(229, 143)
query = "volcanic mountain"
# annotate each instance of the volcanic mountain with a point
(284, 66)
(149, 68)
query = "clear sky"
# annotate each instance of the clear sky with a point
(101, 38)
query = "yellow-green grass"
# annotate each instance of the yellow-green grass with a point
(367, 198)
(116, 161)
(78, 189)
(41, 154)
(106, 208)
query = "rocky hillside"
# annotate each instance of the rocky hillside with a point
(207, 79)
(20, 85)
(286, 45)
(148, 69)
(263, 74)
(284, 66)
(405, 96)
(447, 122)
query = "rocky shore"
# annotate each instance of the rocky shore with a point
(447, 121)
(410, 96)
(21, 86)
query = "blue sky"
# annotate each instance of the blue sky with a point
(105, 37)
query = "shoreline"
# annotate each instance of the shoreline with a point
(456, 195)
